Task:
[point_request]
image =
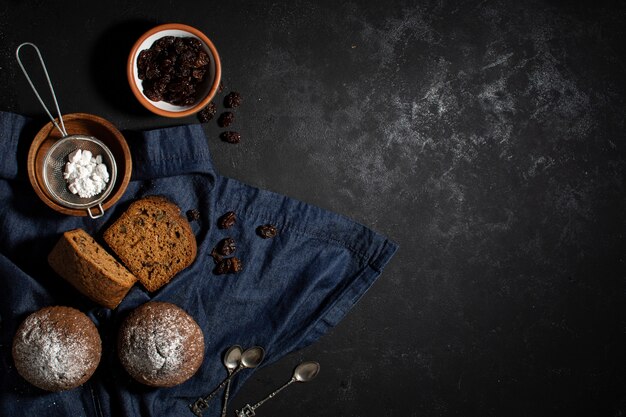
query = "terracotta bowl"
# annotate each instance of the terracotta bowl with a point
(85, 124)
(207, 88)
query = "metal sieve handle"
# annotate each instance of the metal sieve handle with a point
(61, 128)
(97, 215)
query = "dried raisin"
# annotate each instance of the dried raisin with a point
(223, 266)
(236, 265)
(193, 215)
(226, 119)
(207, 113)
(232, 100)
(227, 220)
(217, 258)
(230, 137)
(267, 231)
(228, 266)
(226, 246)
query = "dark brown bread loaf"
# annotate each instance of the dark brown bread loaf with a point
(57, 348)
(153, 240)
(79, 259)
(160, 345)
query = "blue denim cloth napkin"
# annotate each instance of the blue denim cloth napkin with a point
(292, 289)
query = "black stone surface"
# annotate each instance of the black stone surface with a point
(487, 138)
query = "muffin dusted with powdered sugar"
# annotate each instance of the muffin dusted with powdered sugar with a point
(160, 345)
(57, 348)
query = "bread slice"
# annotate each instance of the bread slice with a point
(153, 240)
(86, 265)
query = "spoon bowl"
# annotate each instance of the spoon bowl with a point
(232, 361)
(252, 357)
(232, 358)
(306, 371)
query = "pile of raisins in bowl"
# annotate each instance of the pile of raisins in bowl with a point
(172, 69)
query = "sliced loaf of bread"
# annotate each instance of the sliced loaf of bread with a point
(86, 265)
(153, 240)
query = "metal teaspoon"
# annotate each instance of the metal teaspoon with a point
(232, 359)
(304, 372)
(250, 358)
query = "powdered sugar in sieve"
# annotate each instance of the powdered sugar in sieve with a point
(54, 168)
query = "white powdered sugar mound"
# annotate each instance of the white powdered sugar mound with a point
(85, 174)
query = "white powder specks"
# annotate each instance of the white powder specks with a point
(158, 345)
(85, 174)
(165, 350)
(51, 356)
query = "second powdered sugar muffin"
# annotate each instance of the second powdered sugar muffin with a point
(160, 345)
(153, 240)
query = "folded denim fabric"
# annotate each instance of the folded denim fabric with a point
(292, 288)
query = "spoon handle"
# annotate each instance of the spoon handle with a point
(221, 385)
(248, 410)
(226, 395)
(201, 403)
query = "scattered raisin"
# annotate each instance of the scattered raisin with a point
(236, 265)
(146, 185)
(207, 113)
(217, 258)
(232, 100)
(227, 220)
(230, 137)
(220, 88)
(267, 231)
(193, 215)
(226, 246)
(228, 266)
(223, 266)
(226, 119)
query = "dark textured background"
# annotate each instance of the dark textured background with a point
(487, 138)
